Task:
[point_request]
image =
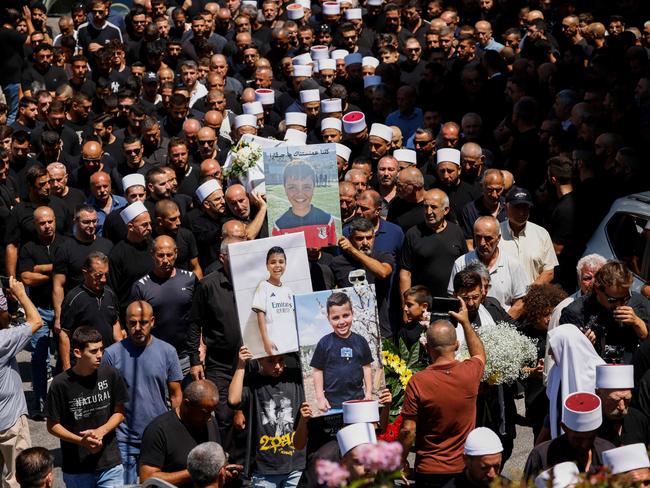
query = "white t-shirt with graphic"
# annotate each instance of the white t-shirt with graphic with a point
(277, 304)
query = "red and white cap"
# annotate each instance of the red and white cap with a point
(331, 105)
(320, 52)
(360, 411)
(295, 11)
(448, 155)
(301, 71)
(132, 211)
(354, 122)
(245, 120)
(134, 179)
(371, 80)
(339, 54)
(382, 131)
(343, 151)
(331, 8)
(353, 58)
(354, 435)
(615, 376)
(295, 118)
(295, 137)
(252, 108)
(207, 189)
(627, 458)
(370, 61)
(265, 96)
(406, 156)
(582, 412)
(353, 14)
(331, 123)
(561, 475)
(309, 96)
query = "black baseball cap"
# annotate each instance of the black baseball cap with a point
(518, 195)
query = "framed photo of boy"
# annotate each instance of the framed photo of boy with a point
(302, 192)
(340, 347)
(266, 274)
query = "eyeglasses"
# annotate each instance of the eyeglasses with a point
(207, 142)
(91, 160)
(133, 151)
(88, 221)
(612, 300)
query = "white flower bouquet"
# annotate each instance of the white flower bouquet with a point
(507, 351)
(243, 157)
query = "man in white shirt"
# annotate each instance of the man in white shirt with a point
(530, 243)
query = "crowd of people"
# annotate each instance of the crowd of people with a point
(479, 144)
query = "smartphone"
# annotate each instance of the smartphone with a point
(441, 306)
(4, 281)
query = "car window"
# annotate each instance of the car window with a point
(629, 236)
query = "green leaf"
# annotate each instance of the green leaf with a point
(413, 356)
(389, 346)
(403, 350)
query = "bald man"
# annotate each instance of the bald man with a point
(347, 200)
(240, 205)
(472, 161)
(491, 202)
(233, 228)
(405, 209)
(102, 198)
(431, 248)
(35, 268)
(93, 159)
(72, 197)
(210, 168)
(206, 140)
(167, 222)
(145, 363)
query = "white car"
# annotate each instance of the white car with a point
(624, 235)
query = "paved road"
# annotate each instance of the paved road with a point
(40, 436)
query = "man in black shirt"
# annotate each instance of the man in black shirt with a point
(207, 226)
(406, 209)
(187, 175)
(458, 191)
(93, 35)
(170, 437)
(84, 407)
(35, 267)
(43, 71)
(71, 197)
(91, 304)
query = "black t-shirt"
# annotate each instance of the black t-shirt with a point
(74, 198)
(276, 411)
(459, 196)
(20, 226)
(71, 256)
(186, 248)
(341, 361)
(128, 262)
(81, 307)
(88, 33)
(405, 214)
(166, 442)
(34, 253)
(11, 55)
(80, 403)
(430, 256)
(53, 78)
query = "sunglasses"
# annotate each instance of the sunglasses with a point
(612, 300)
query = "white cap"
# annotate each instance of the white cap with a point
(360, 411)
(339, 54)
(343, 151)
(295, 137)
(406, 156)
(331, 123)
(448, 155)
(309, 96)
(371, 80)
(353, 14)
(331, 8)
(295, 118)
(330, 105)
(615, 376)
(581, 412)
(381, 130)
(134, 179)
(627, 458)
(245, 119)
(295, 11)
(354, 435)
(375, 3)
(132, 211)
(252, 108)
(562, 475)
(306, 4)
(300, 70)
(370, 61)
(207, 189)
(303, 58)
(252, 3)
(354, 122)
(320, 52)
(354, 58)
(265, 96)
(482, 442)
(326, 64)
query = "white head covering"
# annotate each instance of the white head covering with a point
(295, 118)
(132, 211)
(133, 179)
(339, 54)
(331, 8)
(330, 105)
(295, 137)
(353, 14)
(301, 70)
(354, 122)
(582, 412)
(207, 189)
(265, 96)
(382, 131)
(295, 11)
(320, 52)
(482, 442)
(563, 475)
(574, 369)
(406, 156)
(252, 108)
(375, 3)
(326, 64)
(301, 59)
(343, 151)
(615, 376)
(309, 96)
(627, 458)
(360, 411)
(370, 61)
(244, 120)
(354, 435)
(306, 4)
(448, 155)
(331, 123)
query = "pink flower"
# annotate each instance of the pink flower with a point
(331, 474)
(383, 456)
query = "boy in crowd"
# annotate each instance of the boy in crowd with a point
(417, 306)
(341, 362)
(85, 404)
